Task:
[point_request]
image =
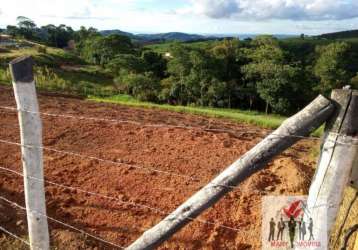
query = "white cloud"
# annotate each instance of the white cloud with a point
(200, 16)
(274, 9)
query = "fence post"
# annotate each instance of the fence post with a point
(285, 136)
(31, 135)
(339, 153)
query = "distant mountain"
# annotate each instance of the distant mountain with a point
(171, 36)
(340, 35)
(117, 32)
(183, 37)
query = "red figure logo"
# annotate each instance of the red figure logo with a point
(293, 210)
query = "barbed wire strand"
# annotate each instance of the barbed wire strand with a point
(117, 163)
(160, 211)
(123, 202)
(166, 125)
(100, 159)
(60, 222)
(14, 235)
(143, 124)
(147, 169)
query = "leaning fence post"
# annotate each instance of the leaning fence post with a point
(31, 140)
(339, 153)
(302, 124)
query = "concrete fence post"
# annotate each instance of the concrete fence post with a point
(32, 157)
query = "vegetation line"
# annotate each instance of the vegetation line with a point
(249, 117)
(240, 116)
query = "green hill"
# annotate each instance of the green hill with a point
(341, 35)
(57, 69)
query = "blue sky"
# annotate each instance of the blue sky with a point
(192, 16)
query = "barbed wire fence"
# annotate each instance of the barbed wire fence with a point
(333, 137)
(145, 169)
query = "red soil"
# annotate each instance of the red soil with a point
(193, 152)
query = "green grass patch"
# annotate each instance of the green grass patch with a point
(249, 117)
(236, 115)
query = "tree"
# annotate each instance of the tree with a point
(57, 36)
(26, 27)
(229, 61)
(83, 34)
(144, 87)
(102, 49)
(274, 80)
(276, 85)
(155, 63)
(332, 66)
(179, 68)
(25, 23)
(127, 62)
(191, 73)
(12, 30)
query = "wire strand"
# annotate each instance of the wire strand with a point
(165, 125)
(141, 124)
(100, 159)
(14, 235)
(60, 222)
(116, 163)
(160, 211)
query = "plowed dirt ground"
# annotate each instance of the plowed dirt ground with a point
(187, 151)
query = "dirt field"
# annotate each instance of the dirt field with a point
(193, 152)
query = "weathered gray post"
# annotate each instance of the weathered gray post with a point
(31, 135)
(301, 124)
(339, 154)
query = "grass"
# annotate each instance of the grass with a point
(249, 117)
(240, 116)
(58, 70)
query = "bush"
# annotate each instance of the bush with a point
(5, 75)
(47, 79)
(144, 87)
(42, 49)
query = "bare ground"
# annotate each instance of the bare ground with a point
(193, 152)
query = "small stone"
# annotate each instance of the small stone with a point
(19, 223)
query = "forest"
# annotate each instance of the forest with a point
(265, 73)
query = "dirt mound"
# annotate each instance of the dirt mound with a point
(192, 152)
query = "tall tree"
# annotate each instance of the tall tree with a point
(275, 81)
(102, 49)
(332, 66)
(26, 27)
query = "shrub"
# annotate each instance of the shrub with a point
(145, 86)
(42, 49)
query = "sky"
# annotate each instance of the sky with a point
(192, 16)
